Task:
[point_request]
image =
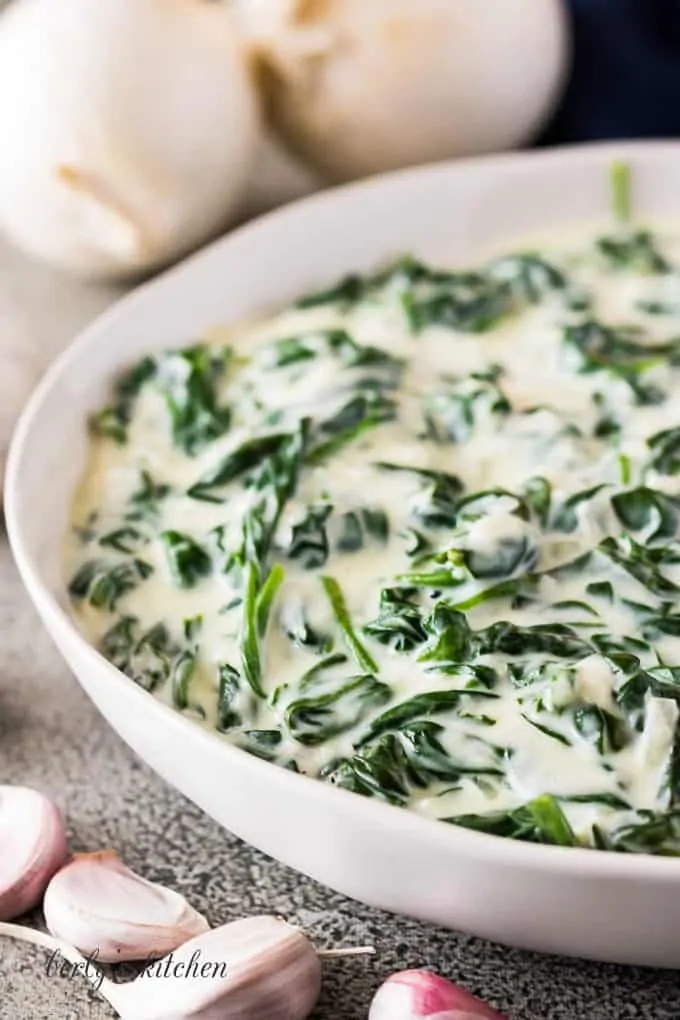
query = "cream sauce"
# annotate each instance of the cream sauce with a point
(526, 736)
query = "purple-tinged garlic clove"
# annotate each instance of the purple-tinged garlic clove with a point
(259, 968)
(99, 905)
(32, 848)
(415, 994)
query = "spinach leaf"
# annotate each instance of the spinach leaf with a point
(551, 821)
(619, 352)
(250, 632)
(266, 595)
(337, 600)
(611, 800)
(621, 187)
(144, 501)
(648, 509)
(477, 302)
(656, 307)
(349, 291)
(396, 763)
(617, 349)
(537, 495)
(665, 447)
(187, 380)
(113, 421)
(422, 706)
(289, 351)
(300, 632)
(452, 414)
(258, 598)
(336, 343)
(145, 657)
(103, 585)
(119, 642)
(633, 683)
(654, 623)
(315, 718)
(357, 525)
(399, 623)
(511, 556)
(188, 561)
(429, 761)
(363, 412)
(262, 744)
(125, 540)
(249, 454)
(529, 277)
(643, 563)
(540, 821)
(566, 515)
(556, 639)
(635, 250)
(436, 505)
(311, 678)
(378, 772)
(277, 478)
(230, 682)
(309, 539)
(603, 729)
(654, 833)
(548, 731)
(451, 637)
(353, 289)
(181, 675)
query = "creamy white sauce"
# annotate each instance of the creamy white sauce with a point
(549, 433)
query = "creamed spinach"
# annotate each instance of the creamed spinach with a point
(418, 536)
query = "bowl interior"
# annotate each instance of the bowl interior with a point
(451, 213)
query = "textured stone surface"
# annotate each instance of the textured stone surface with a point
(53, 739)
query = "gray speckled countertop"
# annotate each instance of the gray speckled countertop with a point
(52, 738)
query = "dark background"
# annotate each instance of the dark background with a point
(625, 80)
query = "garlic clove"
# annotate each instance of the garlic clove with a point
(32, 847)
(454, 1015)
(109, 172)
(102, 216)
(259, 968)
(361, 87)
(412, 994)
(103, 908)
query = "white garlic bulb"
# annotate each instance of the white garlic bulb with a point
(101, 907)
(20, 370)
(128, 129)
(32, 847)
(362, 86)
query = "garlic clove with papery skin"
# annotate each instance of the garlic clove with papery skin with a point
(130, 141)
(363, 86)
(260, 968)
(454, 1015)
(104, 909)
(416, 994)
(32, 847)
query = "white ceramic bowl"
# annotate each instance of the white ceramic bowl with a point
(624, 908)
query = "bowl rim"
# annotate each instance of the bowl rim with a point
(488, 849)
